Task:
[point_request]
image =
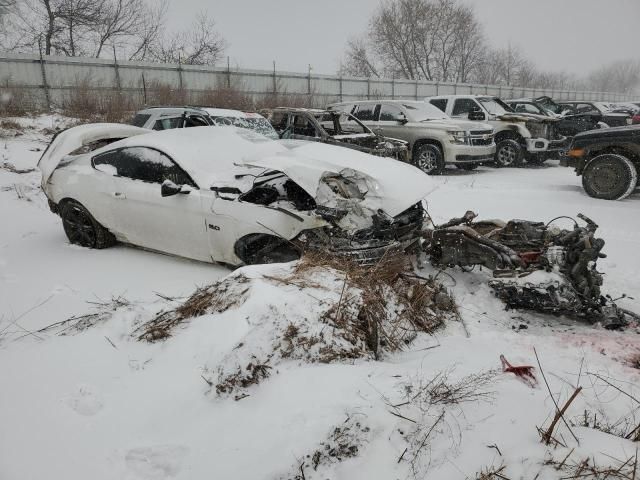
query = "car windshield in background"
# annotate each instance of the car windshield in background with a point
(492, 106)
(550, 105)
(257, 124)
(422, 112)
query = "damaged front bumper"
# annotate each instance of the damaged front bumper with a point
(366, 247)
(537, 145)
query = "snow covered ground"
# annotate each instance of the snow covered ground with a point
(100, 404)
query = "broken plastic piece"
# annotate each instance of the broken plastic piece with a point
(524, 372)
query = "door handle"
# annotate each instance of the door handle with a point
(118, 195)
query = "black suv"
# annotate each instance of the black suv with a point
(598, 110)
(608, 160)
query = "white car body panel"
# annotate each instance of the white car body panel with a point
(205, 224)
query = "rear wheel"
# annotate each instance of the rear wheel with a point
(82, 229)
(429, 159)
(508, 153)
(609, 177)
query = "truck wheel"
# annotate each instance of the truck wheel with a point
(467, 166)
(82, 229)
(609, 177)
(428, 158)
(508, 153)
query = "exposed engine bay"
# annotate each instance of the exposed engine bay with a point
(536, 266)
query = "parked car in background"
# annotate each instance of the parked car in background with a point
(608, 117)
(608, 161)
(568, 124)
(518, 136)
(335, 128)
(434, 139)
(229, 195)
(167, 118)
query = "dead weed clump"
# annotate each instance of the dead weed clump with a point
(228, 293)
(588, 469)
(343, 442)
(382, 307)
(252, 374)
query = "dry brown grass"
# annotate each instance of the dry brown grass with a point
(219, 297)
(91, 105)
(13, 101)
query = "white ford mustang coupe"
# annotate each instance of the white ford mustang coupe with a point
(229, 195)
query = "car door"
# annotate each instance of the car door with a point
(463, 106)
(367, 114)
(391, 121)
(140, 215)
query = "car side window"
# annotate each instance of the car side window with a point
(441, 103)
(463, 106)
(279, 121)
(390, 113)
(527, 108)
(303, 126)
(167, 123)
(364, 113)
(140, 119)
(143, 164)
(195, 121)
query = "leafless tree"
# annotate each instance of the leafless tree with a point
(419, 39)
(200, 44)
(357, 61)
(621, 76)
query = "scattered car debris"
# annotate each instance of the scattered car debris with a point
(524, 372)
(536, 266)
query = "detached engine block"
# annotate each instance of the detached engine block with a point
(535, 265)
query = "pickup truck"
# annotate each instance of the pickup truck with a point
(434, 139)
(608, 161)
(517, 135)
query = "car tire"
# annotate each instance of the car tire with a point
(429, 159)
(467, 166)
(609, 177)
(509, 153)
(82, 229)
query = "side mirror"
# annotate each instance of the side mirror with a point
(402, 119)
(477, 115)
(169, 189)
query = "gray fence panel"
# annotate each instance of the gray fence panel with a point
(64, 75)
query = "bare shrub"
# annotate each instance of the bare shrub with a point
(588, 469)
(492, 473)
(280, 99)
(158, 93)
(219, 297)
(225, 97)
(88, 104)
(343, 442)
(13, 101)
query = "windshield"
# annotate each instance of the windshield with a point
(257, 124)
(550, 105)
(423, 111)
(493, 106)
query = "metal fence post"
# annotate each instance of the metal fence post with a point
(437, 88)
(416, 89)
(368, 88)
(228, 72)
(116, 70)
(45, 85)
(340, 83)
(393, 87)
(309, 81)
(180, 82)
(275, 86)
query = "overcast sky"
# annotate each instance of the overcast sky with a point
(570, 35)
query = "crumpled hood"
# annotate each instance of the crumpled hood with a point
(526, 117)
(73, 138)
(447, 124)
(392, 186)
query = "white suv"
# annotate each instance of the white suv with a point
(435, 140)
(168, 118)
(516, 133)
